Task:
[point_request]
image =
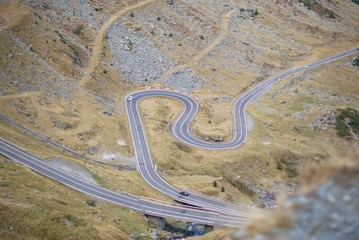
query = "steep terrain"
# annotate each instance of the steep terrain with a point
(66, 66)
(325, 207)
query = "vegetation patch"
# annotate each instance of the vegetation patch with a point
(97, 178)
(318, 8)
(288, 163)
(355, 1)
(241, 186)
(347, 122)
(79, 29)
(91, 202)
(288, 167)
(74, 221)
(183, 147)
(356, 61)
(75, 56)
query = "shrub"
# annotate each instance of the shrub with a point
(62, 39)
(331, 14)
(91, 202)
(288, 165)
(279, 166)
(78, 30)
(75, 55)
(356, 61)
(222, 189)
(308, 4)
(215, 184)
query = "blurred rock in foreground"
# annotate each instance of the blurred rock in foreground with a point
(327, 207)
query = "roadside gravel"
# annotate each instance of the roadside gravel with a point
(73, 169)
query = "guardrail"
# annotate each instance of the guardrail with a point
(233, 203)
(48, 139)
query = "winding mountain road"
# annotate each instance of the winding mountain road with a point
(182, 131)
(140, 204)
(214, 211)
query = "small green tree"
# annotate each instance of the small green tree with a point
(215, 184)
(222, 189)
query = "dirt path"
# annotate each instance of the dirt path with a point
(87, 109)
(96, 49)
(20, 95)
(204, 52)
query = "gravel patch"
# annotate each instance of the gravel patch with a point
(135, 55)
(184, 80)
(81, 9)
(118, 156)
(250, 122)
(73, 169)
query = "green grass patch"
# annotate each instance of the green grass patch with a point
(97, 178)
(347, 118)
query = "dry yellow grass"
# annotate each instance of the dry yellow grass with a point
(268, 142)
(41, 208)
(183, 166)
(109, 177)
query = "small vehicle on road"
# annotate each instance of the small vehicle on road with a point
(184, 193)
(130, 98)
(306, 66)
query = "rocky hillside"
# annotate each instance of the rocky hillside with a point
(66, 66)
(326, 207)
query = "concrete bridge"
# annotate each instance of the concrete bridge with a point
(161, 223)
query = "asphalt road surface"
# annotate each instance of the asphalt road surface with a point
(140, 204)
(214, 211)
(182, 131)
